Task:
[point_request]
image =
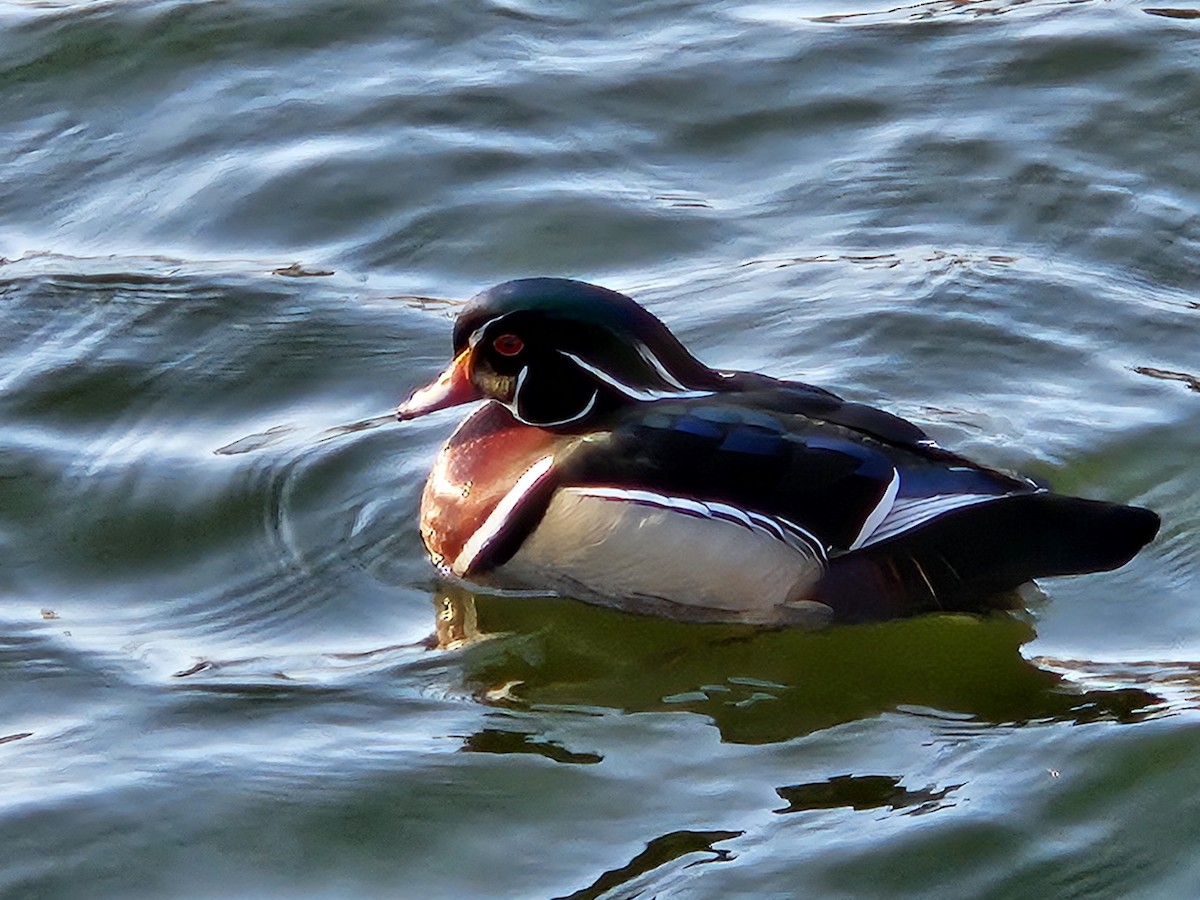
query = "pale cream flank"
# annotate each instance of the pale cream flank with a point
(666, 561)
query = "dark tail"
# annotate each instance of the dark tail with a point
(966, 558)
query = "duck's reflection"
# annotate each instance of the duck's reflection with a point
(864, 792)
(691, 848)
(697, 847)
(762, 686)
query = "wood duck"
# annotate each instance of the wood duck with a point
(610, 465)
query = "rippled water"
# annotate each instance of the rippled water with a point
(231, 237)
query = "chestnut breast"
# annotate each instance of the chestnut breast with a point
(475, 468)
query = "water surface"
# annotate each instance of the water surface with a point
(234, 235)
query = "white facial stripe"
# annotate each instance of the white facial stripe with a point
(516, 398)
(656, 364)
(487, 532)
(768, 526)
(478, 332)
(879, 513)
(516, 405)
(631, 392)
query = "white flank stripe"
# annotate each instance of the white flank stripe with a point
(765, 523)
(631, 392)
(747, 519)
(776, 529)
(732, 512)
(880, 512)
(803, 534)
(613, 493)
(694, 507)
(486, 533)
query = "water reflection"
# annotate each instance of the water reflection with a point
(665, 849)
(671, 853)
(864, 792)
(498, 740)
(764, 686)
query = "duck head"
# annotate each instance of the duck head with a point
(559, 353)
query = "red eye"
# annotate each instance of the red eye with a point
(508, 345)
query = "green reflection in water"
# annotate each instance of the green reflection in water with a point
(759, 686)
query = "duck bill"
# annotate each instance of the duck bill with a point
(453, 387)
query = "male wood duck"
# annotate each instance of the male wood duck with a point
(610, 465)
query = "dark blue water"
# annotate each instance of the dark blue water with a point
(234, 234)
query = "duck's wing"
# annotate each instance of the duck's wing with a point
(933, 482)
(817, 403)
(829, 480)
(796, 398)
